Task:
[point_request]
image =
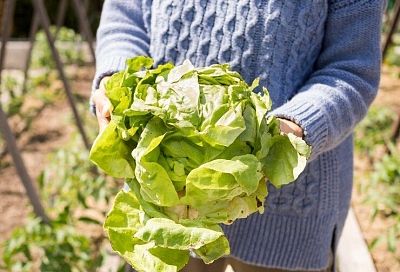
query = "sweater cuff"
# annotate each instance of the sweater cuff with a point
(107, 67)
(310, 118)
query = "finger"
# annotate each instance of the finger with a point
(287, 126)
(106, 110)
(102, 103)
(101, 120)
(97, 100)
(103, 124)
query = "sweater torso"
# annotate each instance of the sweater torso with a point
(278, 41)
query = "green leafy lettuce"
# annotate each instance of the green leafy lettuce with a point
(197, 150)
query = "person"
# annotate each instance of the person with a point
(319, 59)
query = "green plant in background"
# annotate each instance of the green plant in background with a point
(390, 4)
(374, 131)
(72, 181)
(24, 107)
(68, 43)
(55, 247)
(393, 54)
(11, 95)
(13, 98)
(382, 192)
(76, 197)
(386, 176)
(384, 196)
(11, 101)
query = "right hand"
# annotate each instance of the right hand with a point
(102, 104)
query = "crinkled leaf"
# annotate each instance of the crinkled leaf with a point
(156, 186)
(138, 63)
(150, 209)
(300, 145)
(249, 178)
(115, 81)
(242, 207)
(168, 234)
(203, 149)
(249, 135)
(112, 154)
(262, 105)
(222, 180)
(147, 257)
(204, 184)
(214, 250)
(123, 221)
(177, 72)
(283, 164)
(226, 129)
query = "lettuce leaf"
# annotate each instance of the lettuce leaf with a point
(121, 225)
(112, 154)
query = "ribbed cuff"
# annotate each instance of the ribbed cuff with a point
(310, 118)
(105, 66)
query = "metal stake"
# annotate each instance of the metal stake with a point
(45, 22)
(32, 36)
(84, 25)
(8, 13)
(62, 8)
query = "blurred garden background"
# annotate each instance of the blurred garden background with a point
(76, 196)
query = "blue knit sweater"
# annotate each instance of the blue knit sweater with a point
(320, 60)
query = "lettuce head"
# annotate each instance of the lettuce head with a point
(197, 150)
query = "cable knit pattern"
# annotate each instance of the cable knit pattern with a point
(320, 60)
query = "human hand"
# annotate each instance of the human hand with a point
(102, 104)
(288, 126)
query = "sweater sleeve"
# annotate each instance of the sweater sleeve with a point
(345, 78)
(121, 34)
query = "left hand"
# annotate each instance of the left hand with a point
(103, 105)
(288, 126)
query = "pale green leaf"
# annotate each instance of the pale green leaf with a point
(112, 154)
(168, 234)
